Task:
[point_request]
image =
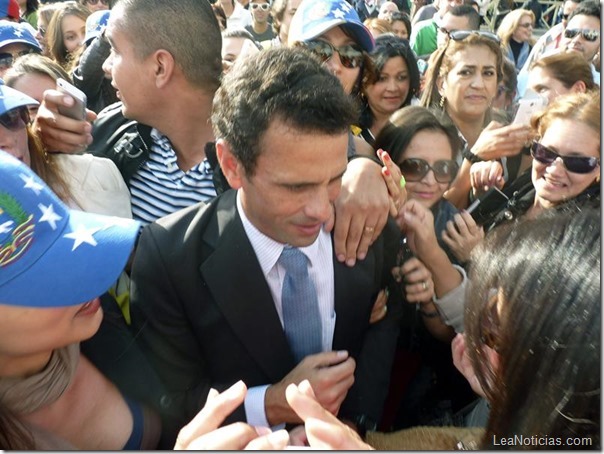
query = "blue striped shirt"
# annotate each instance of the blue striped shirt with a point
(160, 187)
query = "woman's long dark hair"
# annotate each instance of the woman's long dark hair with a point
(387, 47)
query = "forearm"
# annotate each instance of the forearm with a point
(444, 275)
(459, 190)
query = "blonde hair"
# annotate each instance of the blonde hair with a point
(381, 26)
(510, 23)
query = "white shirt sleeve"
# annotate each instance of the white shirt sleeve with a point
(451, 305)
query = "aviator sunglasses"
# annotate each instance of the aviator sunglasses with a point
(415, 169)
(15, 119)
(460, 35)
(350, 56)
(588, 35)
(574, 164)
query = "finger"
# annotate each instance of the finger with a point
(452, 231)
(212, 414)
(358, 244)
(342, 233)
(306, 406)
(232, 437)
(274, 441)
(462, 228)
(333, 435)
(326, 359)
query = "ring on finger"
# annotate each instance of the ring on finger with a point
(425, 285)
(369, 229)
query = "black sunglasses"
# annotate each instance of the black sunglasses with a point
(415, 169)
(15, 119)
(574, 164)
(7, 58)
(586, 33)
(350, 56)
(460, 35)
(94, 2)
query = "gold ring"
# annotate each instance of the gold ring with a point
(425, 285)
(385, 309)
(402, 182)
(369, 229)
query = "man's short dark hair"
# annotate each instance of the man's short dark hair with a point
(587, 8)
(469, 12)
(188, 29)
(287, 84)
(240, 33)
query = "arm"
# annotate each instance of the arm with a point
(89, 75)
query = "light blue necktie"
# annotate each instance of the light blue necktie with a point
(301, 318)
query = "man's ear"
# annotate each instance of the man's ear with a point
(230, 165)
(163, 67)
(578, 87)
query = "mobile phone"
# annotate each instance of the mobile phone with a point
(527, 107)
(78, 110)
(485, 207)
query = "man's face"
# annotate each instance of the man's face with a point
(231, 48)
(448, 24)
(579, 43)
(297, 177)
(260, 11)
(127, 70)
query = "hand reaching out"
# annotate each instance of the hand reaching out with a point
(462, 235)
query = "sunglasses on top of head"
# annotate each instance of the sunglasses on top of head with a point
(460, 35)
(574, 164)
(350, 56)
(587, 34)
(262, 6)
(415, 170)
(15, 119)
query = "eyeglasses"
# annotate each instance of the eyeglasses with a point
(262, 6)
(586, 33)
(15, 119)
(94, 2)
(460, 35)
(415, 169)
(350, 56)
(574, 164)
(526, 25)
(7, 59)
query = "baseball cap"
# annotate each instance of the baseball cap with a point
(95, 23)
(13, 32)
(11, 99)
(9, 8)
(315, 17)
(50, 255)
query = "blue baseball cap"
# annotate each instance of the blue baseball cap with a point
(315, 17)
(13, 32)
(95, 23)
(11, 99)
(50, 255)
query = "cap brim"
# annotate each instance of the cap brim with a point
(83, 263)
(22, 41)
(358, 31)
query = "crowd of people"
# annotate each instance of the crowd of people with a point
(313, 223)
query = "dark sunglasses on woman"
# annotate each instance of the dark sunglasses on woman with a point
(15, 119)
(574, 164)
(460, 35)
(415, 169)
(350, 56)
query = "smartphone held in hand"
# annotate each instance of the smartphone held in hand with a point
(78, 110)
(485, 207)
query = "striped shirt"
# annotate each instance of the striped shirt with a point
(160, 187)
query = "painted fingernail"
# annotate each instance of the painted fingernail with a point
(387, 172)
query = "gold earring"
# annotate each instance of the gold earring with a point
(443, 99)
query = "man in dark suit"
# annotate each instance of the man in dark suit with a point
(208, 281)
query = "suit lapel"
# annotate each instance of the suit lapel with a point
(236, 282)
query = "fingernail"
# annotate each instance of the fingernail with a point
(362, 256)
(387, 172)
(68, 100)
(341, 257)
(351, 262)
(342, 353)
(88, 128)
(279, 438)
(387, 291)
(262, 430)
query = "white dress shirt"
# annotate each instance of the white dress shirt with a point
(320, 269)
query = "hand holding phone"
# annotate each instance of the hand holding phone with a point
(78, 110)
(483, 208)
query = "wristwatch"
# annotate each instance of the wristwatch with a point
(467, 154)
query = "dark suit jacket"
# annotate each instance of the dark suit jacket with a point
(207, 318)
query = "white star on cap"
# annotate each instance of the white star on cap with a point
(49, 215)
(82, 235)
(338, 13)
(32, 184)
(6, 227)
(19, 33)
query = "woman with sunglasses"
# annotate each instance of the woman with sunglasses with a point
(461, 84)
(95, 5)
(83, 182)
(566, 160)
(516, 35)
(396, 83)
